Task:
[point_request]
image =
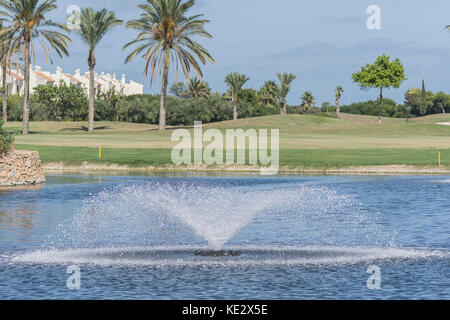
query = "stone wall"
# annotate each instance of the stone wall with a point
(21, 168)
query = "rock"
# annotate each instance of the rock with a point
(21, 168)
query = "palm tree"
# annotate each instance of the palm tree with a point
(235, 82)
(285, 86)
(269, 93)
(93, 27)
(4, 66)
(197, 89)
(165, 34)
(4, 63)
(307, 101)
(27, 22)
(339, 91)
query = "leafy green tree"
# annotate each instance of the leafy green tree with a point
(197, 89)
(412, 99)
(441, 103)
(64, 102)
(177, 89)
(165, 34)
(307, 101)
(419, 102)
(111, 99)
(338, 94)
(390, 107)
(93, 27)
(285, 86)
(235, 82)
(27, 21)
(382, 74)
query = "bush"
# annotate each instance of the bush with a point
(62, 103)
(5, 140)
(69, 103)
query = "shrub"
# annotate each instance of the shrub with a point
(62, 103)
(5, 140)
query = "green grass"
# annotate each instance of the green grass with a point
(336, 158)
(305, 141)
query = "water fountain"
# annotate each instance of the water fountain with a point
(181, 221)
(203, 238)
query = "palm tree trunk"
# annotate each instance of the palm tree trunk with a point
(165, 80)
(235, 115)
(91, 62)
(381, 105)
(4, 94)
(284, 108)
(338, 108)
(26, 102)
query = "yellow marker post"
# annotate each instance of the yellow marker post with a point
(439, 158)
(99, 153)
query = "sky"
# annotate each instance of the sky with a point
(322, 42)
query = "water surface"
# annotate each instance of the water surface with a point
(299, 237)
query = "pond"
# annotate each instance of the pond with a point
(226, 236)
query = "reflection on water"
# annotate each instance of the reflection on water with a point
(17, 212)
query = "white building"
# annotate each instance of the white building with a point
(103, 82)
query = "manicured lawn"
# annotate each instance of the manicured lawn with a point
(305, 141)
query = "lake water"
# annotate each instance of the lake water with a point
(294, 237)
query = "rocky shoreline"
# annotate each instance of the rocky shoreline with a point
(363, 170)
(21, 168)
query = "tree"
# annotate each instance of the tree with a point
(338, 94)
(382, 74)
(285, 86)
(165, 34)
(269, 93)
(177, 89)
(235, 82)
(93, 27)
(325, 106)
(5, 61)
(423, 107)
(112, 99)
(441, 102)
(307, 101)
(390, 107)
(197, 89)
(65, 102)
(27, 21)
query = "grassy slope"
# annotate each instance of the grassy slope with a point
(305, 141)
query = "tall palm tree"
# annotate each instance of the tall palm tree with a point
(93, 27)
(197, 89)
(285, 86)
(338, 92)
(4, 66)
(4, 63)
(27, 22)
(165, 34)
(307, 101)
(269, 93)
(235, 82)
